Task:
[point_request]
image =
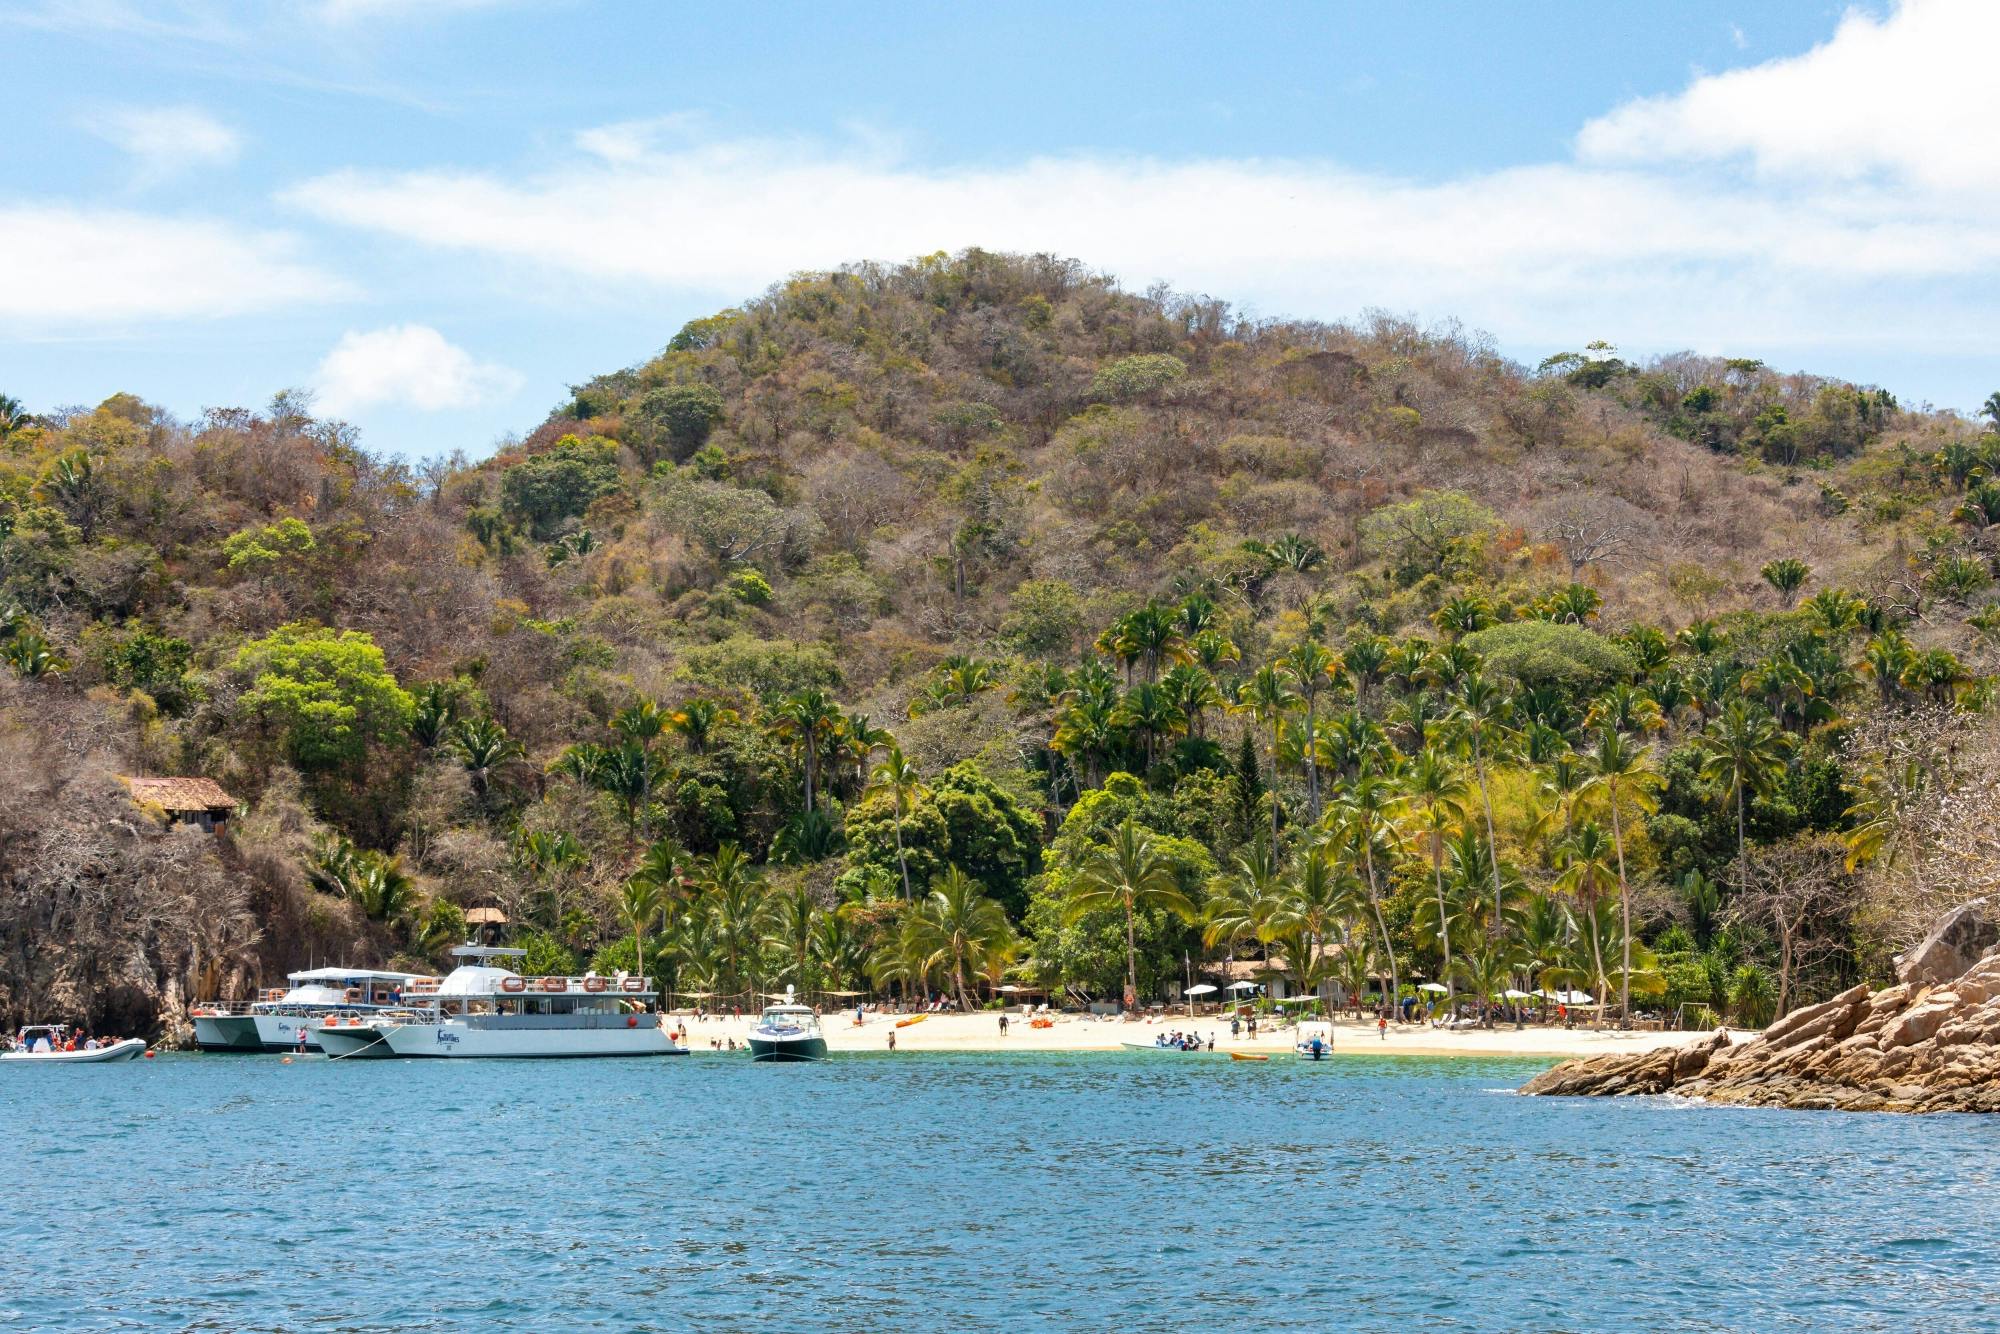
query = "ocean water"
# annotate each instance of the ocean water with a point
(1130, 1191)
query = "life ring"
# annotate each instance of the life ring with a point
(632, 983)
(593, 984)
(513, 984)
(555, 984)
(354, 995)
(631, 1021)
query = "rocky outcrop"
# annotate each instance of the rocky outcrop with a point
(1959, 939)
(1918, 1046)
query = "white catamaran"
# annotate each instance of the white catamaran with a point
(484, 1009)
(277, 1019)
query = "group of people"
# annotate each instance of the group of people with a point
(1179, 1041)
(74, 1042)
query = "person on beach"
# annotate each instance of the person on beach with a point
(892, 1039)
(1235, 1025)
(1382, 1025)
(1003, 1025)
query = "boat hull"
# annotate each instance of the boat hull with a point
(787, 1049)
(117, 1051)
(227, 1033)
(463, 1039)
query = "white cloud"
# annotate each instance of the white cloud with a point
(70, 266)
(358, 11)
(1911, 95)
(166, 141)
(410, 365)
(1654, 233)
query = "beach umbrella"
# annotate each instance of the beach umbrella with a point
(1200, 989)
(1241, 986)
(1434, 987)
(1514, 995)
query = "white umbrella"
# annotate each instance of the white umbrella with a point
(1433, 986)
(1512, 994)
(1010, 988)
(1199, 989)
(1241, 986)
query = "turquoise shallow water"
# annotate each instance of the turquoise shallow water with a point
(979, 1192)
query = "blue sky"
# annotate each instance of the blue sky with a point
(437, 213)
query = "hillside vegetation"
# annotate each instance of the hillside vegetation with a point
(975, 619)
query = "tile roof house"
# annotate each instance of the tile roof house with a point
(185, 800)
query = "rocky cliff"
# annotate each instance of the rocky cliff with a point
(1930, 1043)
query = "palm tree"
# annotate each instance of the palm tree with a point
(961, 928)
(1744, 751)
(1150, 711)
(1363, 815)
(13, 416)
(1310, 668)
(1267, 698)
(483, 746)
(639, 905)
(1481, 715)
(808, 718)
(897, 775)
(1487, 968)
(1435, 792)
(1787, 576)
(1625, 773)
(1589, 872)
(1306, 912)
(739, 917)
(1129, 873)
(699, 720)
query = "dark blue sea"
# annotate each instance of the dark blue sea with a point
(975, 1192)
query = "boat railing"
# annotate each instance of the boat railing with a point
(216, 1009)
(590, 984)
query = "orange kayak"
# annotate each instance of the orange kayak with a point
(913, 1019)
(1248, 1056)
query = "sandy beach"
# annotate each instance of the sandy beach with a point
(981, 1032)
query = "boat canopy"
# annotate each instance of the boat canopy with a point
(486, 952)
(349, 975)
(788, 1009)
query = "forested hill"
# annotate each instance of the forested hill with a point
(900, 627)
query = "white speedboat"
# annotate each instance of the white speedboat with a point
(45, 1043)
(788, 1031)
(484, 1009)
(278, 1019)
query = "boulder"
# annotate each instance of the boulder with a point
(1960, 939)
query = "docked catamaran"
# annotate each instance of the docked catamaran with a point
(277, 1019)
(483, 1008)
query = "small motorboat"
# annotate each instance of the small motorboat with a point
(787, 1031)
(1315, 1040)
(45, 1042)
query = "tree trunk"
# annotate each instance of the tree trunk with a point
(1131, 962)
(1312, 762)
(1274, 785)
(1444, 927)
(1492, 840)
(1382, 925)
(902, 864)
(1625, 909)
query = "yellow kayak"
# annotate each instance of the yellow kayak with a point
(913, 1019)
(1248, 1056)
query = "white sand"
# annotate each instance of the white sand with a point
(981, 1032)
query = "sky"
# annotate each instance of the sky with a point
(437, 214)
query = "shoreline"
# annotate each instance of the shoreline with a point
(981, 1033)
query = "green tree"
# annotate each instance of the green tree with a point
(1129, 874)
(329, 693)
(896, 775)
(1744, 751)
(679, 416)
(961, 929)
(559, 484)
